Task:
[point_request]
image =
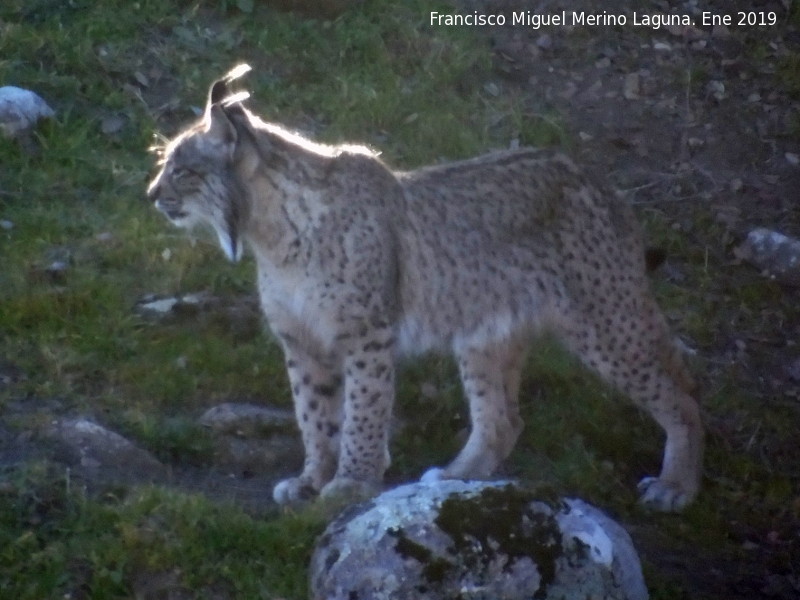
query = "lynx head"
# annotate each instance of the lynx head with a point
(197, 183)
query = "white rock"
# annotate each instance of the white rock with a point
(20, 110)
(775, 254)
(474, 540)
(161, 306)
(716, 89)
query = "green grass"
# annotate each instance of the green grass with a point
(149, 542)
(377, 75)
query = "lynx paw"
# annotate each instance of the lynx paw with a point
(293, 491)
(663, 496)
(350, 490)
(433, 475)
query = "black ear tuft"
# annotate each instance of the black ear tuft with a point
(237, 72)
(219, 91)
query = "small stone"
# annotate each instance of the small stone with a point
(57, 270)
(196, 298)
(20, 110)
(749, 546)
(492, 89)
(776, 255)
(428, 390)
(254, 439)
(57, 266)
(7, 225)
(720, 32)
(544, 41)
(716, 89)
(141, 78)
(162, 306)
(792, 158)
(242, 456)
(112, 124)
(630, 87)
(793, 370)
(10, 373)
(246, 419)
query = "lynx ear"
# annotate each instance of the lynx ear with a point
(219, 89)
(221, 103)
(220, 129)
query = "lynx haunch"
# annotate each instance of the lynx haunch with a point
(358, 264)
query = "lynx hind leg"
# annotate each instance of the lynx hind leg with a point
(512, 377)
(632, 350)
(317, 393)
(490, 376)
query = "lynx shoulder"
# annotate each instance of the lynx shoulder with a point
(358, 264)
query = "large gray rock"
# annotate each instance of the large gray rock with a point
(101, 454)
(251, 439)
(474, 540)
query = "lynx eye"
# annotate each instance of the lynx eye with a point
(183, 173)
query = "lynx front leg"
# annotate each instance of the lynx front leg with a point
(368, 400)
(317, 392)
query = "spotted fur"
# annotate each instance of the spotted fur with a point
(358, 264)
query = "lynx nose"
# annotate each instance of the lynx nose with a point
(168, 204)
